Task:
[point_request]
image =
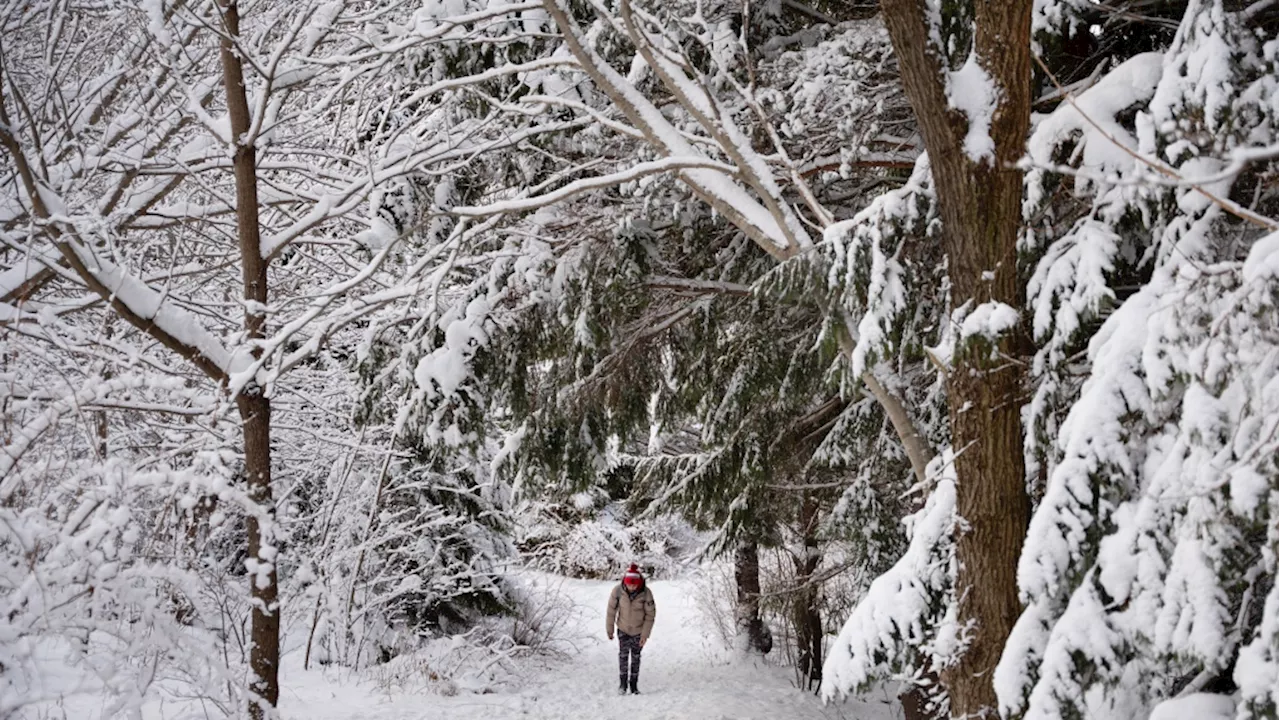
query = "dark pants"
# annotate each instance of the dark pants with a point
(628, 650)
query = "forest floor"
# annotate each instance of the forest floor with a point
(685, 675)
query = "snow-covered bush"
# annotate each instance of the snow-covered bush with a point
(538, 614)
(89, 610)
(589, 543)
(715, 593)
(598, 548)
(474, 662)
(426, 558)
(485, 658)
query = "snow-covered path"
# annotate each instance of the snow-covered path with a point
(684, 677)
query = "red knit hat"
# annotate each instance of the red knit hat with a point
(632, 576)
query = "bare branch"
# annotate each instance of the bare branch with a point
(578, 187)
(726, 197)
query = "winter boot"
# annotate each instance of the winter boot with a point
(634, 689)
(622, 686)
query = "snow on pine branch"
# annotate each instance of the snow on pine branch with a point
(1147, 558)
(1089, 126)
(1257, 666)
(905, 624)
(863, 266)
(437, 364)
(1071, 280)
(1155, 151)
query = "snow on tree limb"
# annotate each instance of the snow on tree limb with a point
(139, 304)
(96, 389)
(577, 187)
(894, 631)
(726, 196)
(720, 126)
(1154, 422)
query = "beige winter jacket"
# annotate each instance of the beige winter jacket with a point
(633, 617)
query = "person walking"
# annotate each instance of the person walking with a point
(632, 610)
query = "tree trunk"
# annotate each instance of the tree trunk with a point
(915, 704)
(264, 653)
(808, 620)
(102, 424)
(253, 404)
(746, 575)
(979, 201)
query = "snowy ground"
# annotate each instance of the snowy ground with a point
(685, 676)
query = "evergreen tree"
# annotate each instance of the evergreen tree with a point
(1149, 194)
(1151, 556)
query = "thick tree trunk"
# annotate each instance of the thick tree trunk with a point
(254, 406)
(979, 200)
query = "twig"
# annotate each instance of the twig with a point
(712, 286)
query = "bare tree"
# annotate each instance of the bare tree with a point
(252, 401)
(181, 170)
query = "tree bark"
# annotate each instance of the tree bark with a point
(979, 201)
(808, 620)
(915, 703)
(746, 575)
(264, 653)
(253, 404)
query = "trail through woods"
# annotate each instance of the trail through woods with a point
(685, 675)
